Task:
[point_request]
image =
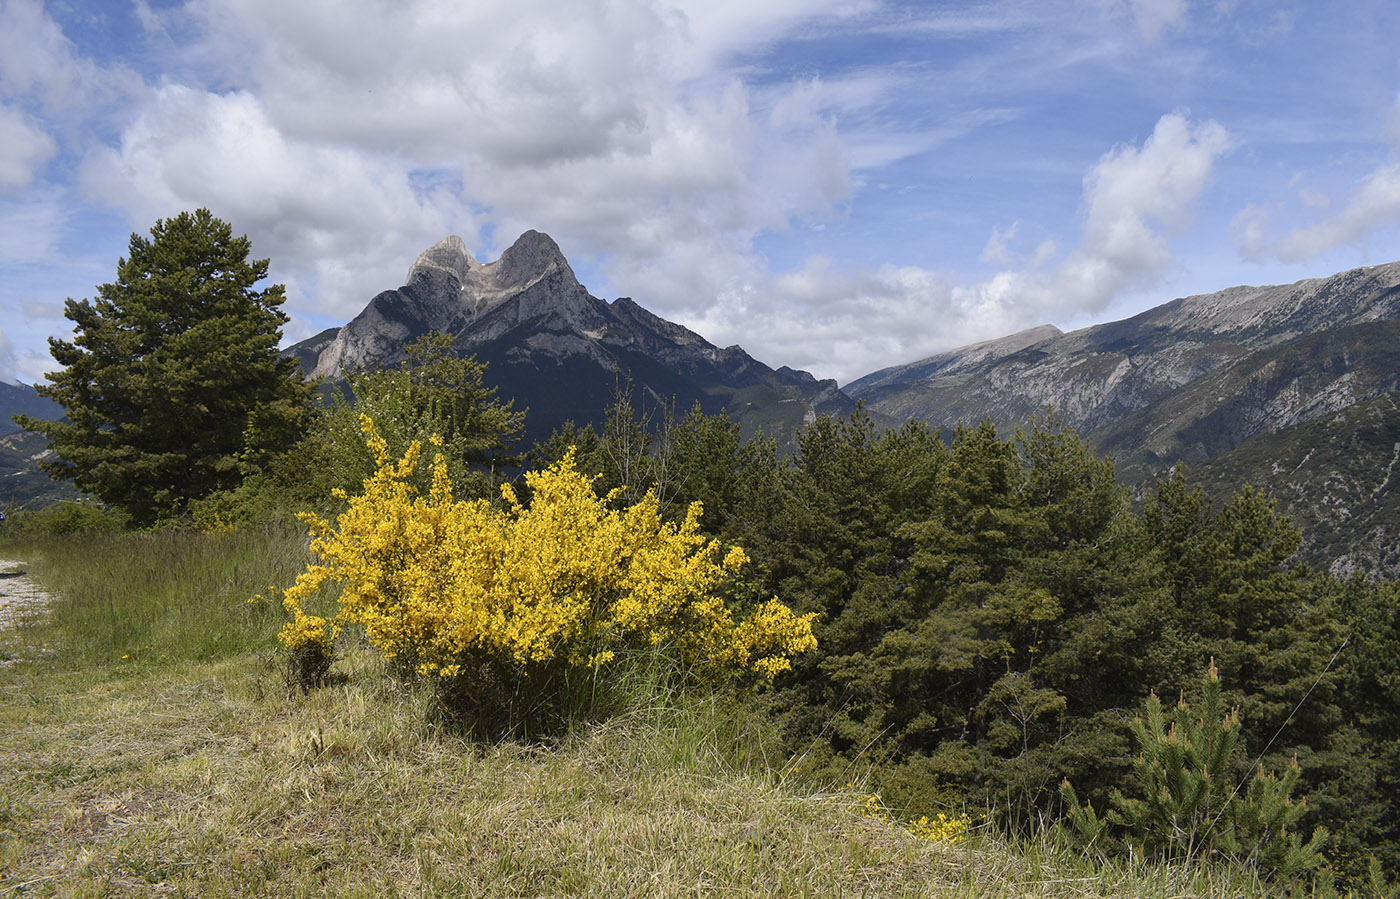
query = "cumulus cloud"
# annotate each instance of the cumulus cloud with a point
(344, 220)
(363, 132)
(1374, 204)
(39, 63)
(837, 321)
(23, 151)
(1135, 198)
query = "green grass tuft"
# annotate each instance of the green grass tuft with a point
(172, 594)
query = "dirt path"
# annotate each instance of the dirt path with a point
(20, 598)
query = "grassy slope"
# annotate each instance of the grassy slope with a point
(140, 756)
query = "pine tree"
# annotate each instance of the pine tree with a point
(1191, 802)
(172, 386)
(431, 394)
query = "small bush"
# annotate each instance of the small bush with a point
(1191, 806)
(310, 652)
(518, 611)
(64, 518)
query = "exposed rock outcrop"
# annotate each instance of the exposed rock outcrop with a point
(558, 350)
(1135, 377)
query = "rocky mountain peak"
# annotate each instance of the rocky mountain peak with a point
(448, 256)
(533, 256)
(556, 349)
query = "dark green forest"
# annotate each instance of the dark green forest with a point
(994, 611)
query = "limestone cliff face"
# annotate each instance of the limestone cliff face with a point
(558, 350)
(1188, 379)
(447, 290)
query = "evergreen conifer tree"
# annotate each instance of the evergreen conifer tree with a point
(172, 386)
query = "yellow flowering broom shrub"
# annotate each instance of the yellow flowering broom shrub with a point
(517, 610)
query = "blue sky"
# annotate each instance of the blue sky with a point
(835, 185)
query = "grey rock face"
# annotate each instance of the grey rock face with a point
(557, 349)
(447, 290)
(1099, 376)
(448, 256)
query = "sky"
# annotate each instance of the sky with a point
(835, 185)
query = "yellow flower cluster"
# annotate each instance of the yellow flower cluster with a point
(939, 828)
(305, 632)
(565, 577)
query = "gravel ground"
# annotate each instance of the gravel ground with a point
(20, 598)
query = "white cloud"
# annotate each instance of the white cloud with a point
(7, 359)
(39, 63)
(514, 85)
(1134, 199)
(24, 149)
(29, 229)
(1005, 247)
(611, 125)
(1249, 231)
(345, 221)
(837, 321)
(844, 322)
(1151, 18)
(1374, 204)
(997, 248)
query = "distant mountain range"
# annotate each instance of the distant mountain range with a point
(20, 399)
(1292, 388)
(21, 481)
(1188, 379)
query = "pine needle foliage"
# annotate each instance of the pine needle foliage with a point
(1189, 806)
(173, 387)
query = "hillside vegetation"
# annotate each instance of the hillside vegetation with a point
(149, 752)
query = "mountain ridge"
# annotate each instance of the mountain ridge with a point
(1096, 376)
(1241, 384)
(555, 348)
(1292, 388)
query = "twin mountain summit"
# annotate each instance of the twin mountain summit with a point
(1291, 388)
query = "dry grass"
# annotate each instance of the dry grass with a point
(193, 776)
(213, 779)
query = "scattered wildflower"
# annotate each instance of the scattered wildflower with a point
(940, 828)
